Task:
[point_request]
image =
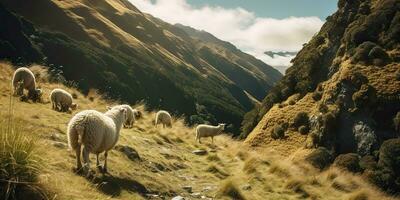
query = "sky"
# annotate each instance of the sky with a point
(254, 26)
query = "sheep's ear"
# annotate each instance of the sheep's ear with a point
(109, 107)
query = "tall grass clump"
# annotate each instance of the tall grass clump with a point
(230, 190)
(19, 161)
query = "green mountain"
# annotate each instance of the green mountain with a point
(342, 94)
(128, 55)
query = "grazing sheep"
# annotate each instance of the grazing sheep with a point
(204, 130)
(137, 114)
(164, 118)
(97, 132)
(23, 78)
(61, 100)
(130, 115)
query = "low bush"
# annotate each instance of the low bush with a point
(320, 158)
(317, 95)
(364, 97)
(278, 132)
(304, 130)
(349, 161)
(301, 119)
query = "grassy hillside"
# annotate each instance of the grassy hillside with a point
(342, 92)
(125, 54)
(153, 163)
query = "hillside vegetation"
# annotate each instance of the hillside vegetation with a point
(341, 94)
(128, 55)
(150, 162)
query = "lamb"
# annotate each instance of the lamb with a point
(97, 132)
(164, 118)
(204, 130)
(61, 100)
(23, 78)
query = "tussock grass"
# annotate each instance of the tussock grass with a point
(213, 157)
(250, 165)
(20, 164)
(230, 190)
(358, 195)
(217, 171)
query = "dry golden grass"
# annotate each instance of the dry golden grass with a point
(167, 162)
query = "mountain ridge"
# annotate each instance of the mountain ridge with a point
(118, 40)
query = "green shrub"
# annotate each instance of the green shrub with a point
(349, 161)
(278, 132)
(396, 122)
(378, 56)
(368, 162)
(304, 130)
(357, 79)
(387, 176)
(364, 97)
(322, 108)
(320, 158)
(389, 155)
(317, 95)
(301, 119)
(362, 51)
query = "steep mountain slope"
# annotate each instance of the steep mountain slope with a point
(112, 46)
(150, 162)
(343, 90)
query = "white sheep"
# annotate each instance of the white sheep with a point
(130, 115)
(23, 78)
(97, 132)
(164, 118)
(61, 100)
(204, 130)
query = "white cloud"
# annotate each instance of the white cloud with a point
(251, 34)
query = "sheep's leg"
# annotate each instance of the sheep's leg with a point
(105, 162)
(199, 140)
(98, 162)
(78, 158)
(86, 161)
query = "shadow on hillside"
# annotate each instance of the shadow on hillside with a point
(111, 185)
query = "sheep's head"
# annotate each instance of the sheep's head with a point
(222, 125)
(124, 112)
(35, 95)
(138, 114)
(74, 106)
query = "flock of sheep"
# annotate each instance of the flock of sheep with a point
(91, 131)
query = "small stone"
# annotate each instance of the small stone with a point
(200, 152)
(178, 198)
(188, 188)
(196, 195)
(246, 187)
(207, 188)
(128, 151)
